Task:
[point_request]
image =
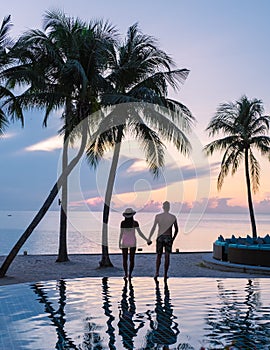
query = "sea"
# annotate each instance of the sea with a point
(197, 232)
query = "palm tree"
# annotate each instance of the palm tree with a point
(79, 73)
(46, 205)
(5, 62)
(139, 78)
(245, 129)
(64, 67)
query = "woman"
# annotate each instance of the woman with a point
(127, 240)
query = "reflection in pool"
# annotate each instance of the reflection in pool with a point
(111, 313)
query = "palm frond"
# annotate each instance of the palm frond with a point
(11, 104)
(222, 122)
(220, 144)
(5, 40)
(254, 171)
(262, 144)
(230, 156)
(153, 148)
(158, 119)
(149, 140)
(3, 122)
(261, 125)
(100, 143)
(180, 113)
(238, 158)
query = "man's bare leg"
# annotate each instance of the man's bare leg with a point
(166, 265)
(158, 262)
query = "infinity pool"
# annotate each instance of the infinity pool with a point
(110, 313)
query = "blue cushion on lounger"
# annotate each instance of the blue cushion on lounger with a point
(254, 246)
(249, 240)
(233, 239)
(242, 246)
(233, 245)
(266, 239)
(265, 247)
(220, 243)
(259, 240)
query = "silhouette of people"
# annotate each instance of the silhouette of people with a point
(127, 240)
(165, 238)
(126, 324)
(164, 329)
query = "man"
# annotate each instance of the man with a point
(165, 238)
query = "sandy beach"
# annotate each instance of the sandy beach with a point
(34, 268)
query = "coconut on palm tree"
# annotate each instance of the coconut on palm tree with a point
(245, 129)
(137, 94)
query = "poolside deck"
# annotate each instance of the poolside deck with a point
(33, 268)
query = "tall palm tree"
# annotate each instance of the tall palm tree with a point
(63, 65)
(82, 62)
(6, 61)
(140, 75)
(245, 129)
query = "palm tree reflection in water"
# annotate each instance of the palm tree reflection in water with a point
(91, 338)
(107, 310)
(126, 325)
(57, 316)
(164, 330)
(239, 322)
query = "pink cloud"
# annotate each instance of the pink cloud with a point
(152, 206)
(207, 205)
(263, 206)
(95, 204)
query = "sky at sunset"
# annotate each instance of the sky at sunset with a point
(226, 46)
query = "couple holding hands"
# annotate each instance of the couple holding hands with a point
(165, 238)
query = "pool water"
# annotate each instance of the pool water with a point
(110, 313)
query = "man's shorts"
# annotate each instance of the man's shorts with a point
(166, 242)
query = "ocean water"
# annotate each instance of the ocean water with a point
(196, 232)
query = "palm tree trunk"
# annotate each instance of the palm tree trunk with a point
(62, 250)
(43, 210)
(250, 203)
(105, 259)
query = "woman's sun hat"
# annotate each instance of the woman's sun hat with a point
(129, 212)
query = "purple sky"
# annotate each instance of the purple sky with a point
(224, 43)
